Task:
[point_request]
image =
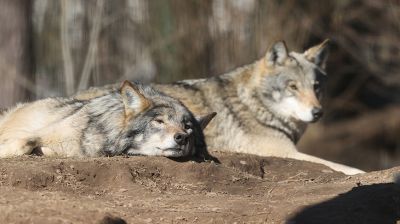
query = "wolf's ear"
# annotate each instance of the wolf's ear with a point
(133, 100)
(205, 120)
(318, 54)
(277, 53)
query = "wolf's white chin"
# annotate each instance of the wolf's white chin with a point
(158, 145)
(306, 117)
(173, 152)
(168, 152)
(290, 107)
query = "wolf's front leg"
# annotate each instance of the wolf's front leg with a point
(18, 147)
(335, 166)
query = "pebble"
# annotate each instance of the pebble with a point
(122, 190)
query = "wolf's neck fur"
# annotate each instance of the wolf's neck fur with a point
(107, 117)
(240, 80)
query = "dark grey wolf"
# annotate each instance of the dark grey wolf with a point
(263, 107)
(132, 120)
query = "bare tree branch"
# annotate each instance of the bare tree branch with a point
(65, 50)
(93, 45)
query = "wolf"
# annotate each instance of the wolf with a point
(133, 120)
(263, 107)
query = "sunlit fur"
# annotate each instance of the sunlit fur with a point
(119, 122)
(263, 108)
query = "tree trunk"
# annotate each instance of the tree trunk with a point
(16, 64)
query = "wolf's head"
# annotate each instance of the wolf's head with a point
(288, 83)
(159, 125)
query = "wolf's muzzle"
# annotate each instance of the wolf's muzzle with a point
(181, 138)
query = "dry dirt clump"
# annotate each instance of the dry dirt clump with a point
(241, 189)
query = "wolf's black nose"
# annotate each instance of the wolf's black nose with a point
(317, 113)
(180, 138)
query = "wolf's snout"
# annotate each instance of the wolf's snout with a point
(181, 138)
(317, 113)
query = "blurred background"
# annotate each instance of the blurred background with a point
(54, 48)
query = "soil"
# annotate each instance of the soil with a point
(241, 189)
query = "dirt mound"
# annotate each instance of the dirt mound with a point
(241, 188)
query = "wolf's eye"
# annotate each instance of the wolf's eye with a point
(317, 86)
(188, 126)
(293, 86)
(159, 121)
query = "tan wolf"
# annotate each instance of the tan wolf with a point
(263, 107)
(132, 120)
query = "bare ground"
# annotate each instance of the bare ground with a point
(242, 189)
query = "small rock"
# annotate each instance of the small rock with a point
(234, 179)
(109, 219)
(211, 194)
(122, 190)
(181, 218)
(149, 220)
(243, 162)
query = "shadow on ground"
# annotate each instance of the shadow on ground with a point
(370, 204)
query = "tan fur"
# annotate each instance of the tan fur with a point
(309, 98)
(244, 123)
(29, 121)
(310, 53)
(130, 113)
(114, 123)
